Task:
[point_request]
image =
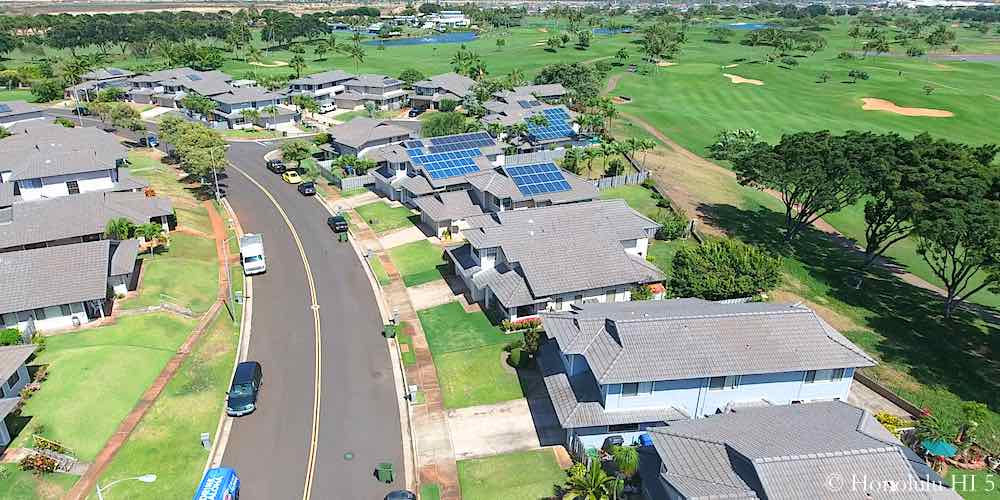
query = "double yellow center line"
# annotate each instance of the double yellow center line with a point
(317, 384)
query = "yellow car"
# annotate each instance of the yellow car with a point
(291, 177)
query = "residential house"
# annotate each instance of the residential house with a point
(16, 112)
(97, 80)
(361, 134)
(519, 263)
(548, 125)
(231, 104)
(48, 161)
(549, 93)
(14, 374)
(622, 368)
(167, 87)
(61, 286)
(383, 91)
(817, 451)
(428, 94)
(322, 87)
(68, 220)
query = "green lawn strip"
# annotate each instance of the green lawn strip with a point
(96, 376)
(409, 357)
(16, 95)
(477, 376)
(449, 328)
(166, 441)
(642, 200)
(347, 193)
(249, 134)
(973, 485)
(662, 253)
(189, 256)
(522, 474)
(418, 262)
(380, 274)
(194, 218)
(430, 491)
(23, 485)
(383, 218)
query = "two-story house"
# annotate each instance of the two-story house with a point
(619, 369)
(14, 377)
(167, 87)
(519, 263)
(96, 80)
(548, 125)
(383, 91)
(231, 104)
(48, 161)
(816, 451)
(428, 94)
(322, 87)
(362, 134)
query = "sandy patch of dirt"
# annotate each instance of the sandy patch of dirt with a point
(620, 100)
(538, 44)
(872, 104)
(275, 64)
(740, 79)
(944, 67)
(666, 64)
(994, 97)
(731, 65)
(543, 30)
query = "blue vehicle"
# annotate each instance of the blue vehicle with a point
(220, 483)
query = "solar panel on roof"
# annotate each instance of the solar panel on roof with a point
(193, 77)
(559, 125)
(538, 178)
(528, 104)
(449, 156)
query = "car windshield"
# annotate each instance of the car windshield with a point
(307, 185)
(253, 258)
(241, 390)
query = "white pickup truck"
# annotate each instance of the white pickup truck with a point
(252, 254)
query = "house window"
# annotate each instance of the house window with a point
(578, 299)
(8, 320)
(30, 183)
(39, 314)
(623, 428)
(76, 307)
(814, 376)
(637, 389)
(73, 187)
(64, 309)
(610, 296)
(14, 379)
(726, 383)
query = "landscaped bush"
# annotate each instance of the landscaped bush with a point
(724, 269)
(642, 292)
(10, 336)
(520, 324)
(673, 225)
(892, 423)
(517, 358)
(38, 464)
(447, 105)
(733, 143)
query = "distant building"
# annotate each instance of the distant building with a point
(428, 94)
(96, 80)
(450, 19)
(383, 91)
(322, 87)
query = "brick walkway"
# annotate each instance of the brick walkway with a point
(87, 482)
(435, 453)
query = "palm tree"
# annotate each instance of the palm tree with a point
(647, 145)
(626, 459)
(607, 150)
(622, 55)
(251, 115)
(516, 78)
(152, 233)
(595, 484)
(572, 159)
(253, 54)
(119, 228)
(298, 63)
(590, 154)
(357, 54)
(495, 129)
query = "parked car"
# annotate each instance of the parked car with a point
(415, 112)
(276, 166)
(307, 188)
(401, 495)
(242, 396)
(81, 110)
(291, 177)
(327, 107)
(338, 223)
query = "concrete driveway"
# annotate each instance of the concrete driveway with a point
(487, 430)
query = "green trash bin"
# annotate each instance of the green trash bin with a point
(384, 473)
(389, 331)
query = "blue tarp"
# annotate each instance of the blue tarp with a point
(220, 483)
(939, 448)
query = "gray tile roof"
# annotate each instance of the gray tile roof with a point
(246, 94)
(589, 234)
(12, 357)
(453, 83)
(448, 206)
(77, 215)
(374, 81)
(16, 108)
(123, 259)
(106, 74)
(393, 153)
(48, 150)
(508, 286)
(417, 185)
(321, 78)
(545, 91)
(693, 338)
(53, 276)
(8, 405)
(790, 452)
(360, 131)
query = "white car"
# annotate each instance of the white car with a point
(327, 107)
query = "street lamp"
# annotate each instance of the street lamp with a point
(148, 478)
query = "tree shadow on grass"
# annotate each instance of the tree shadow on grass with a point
(956, 354)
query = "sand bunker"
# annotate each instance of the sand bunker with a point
(730, 65)
(665, 64)
(740, 79)
(538, 44)
(543, 30)
(275, 64)
(872, 104)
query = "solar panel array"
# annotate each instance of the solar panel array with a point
(559, 126)
(538, 178)
(530, 103)
(448, 156)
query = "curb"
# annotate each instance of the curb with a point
(398, 371)
(225, 424)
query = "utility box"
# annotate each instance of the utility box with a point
(389, 331)
(385, 473)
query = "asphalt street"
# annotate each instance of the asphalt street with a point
(359, 423)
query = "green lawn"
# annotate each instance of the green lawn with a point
(662, 253)
(418, 262)
(382, 218)
(525, 475)
(430, 491)
(189, 256)
(380, 274)
(194, 218)
(96, 376)
(249, 134)
(16, 95)
(974, 485)
(468, 354)
(353, 192)
(167, 440)
(642, 200)
(21, 485)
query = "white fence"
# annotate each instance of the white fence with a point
(622, 180)
(360, 181)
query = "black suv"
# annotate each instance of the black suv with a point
(242, 396)
(276, 166)
(307, 188)
(338, 223)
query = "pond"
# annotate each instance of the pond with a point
(749, 26)
(453, 37)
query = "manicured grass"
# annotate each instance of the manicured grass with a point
(383, 218)
(21, 485)
(380, 274)
(165, 179)
(476, 376)
(361, 113)
(662, 253)
(523, 475)
(16, 95)
(418, 262)
(192, 257)
(96, 376)
(642, 200)
(409, 357)
(353, 192)
(167, 440)
(194, 218)
(449, 328)
(249, 134)
(974, 485)
(430, 491)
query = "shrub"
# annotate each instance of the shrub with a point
(38, 464)
(65, 122)
(10, 336)
(642, 292)
(520, 324)
(321, 138)
(892, 423)
(733, 143)
(673, 225)
(845, 56)
(39, 340)
(724, 269)
(650, 184)
(789, 61)
(447, 105)
(517, 358)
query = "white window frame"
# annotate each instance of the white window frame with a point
(729, 383)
